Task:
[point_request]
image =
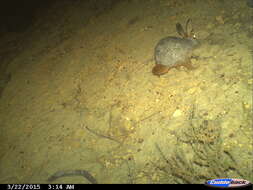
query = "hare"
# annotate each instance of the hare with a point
(172, 52)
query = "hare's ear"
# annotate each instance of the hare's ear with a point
(180, 30)
(188, 28)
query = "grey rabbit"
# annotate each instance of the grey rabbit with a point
(172, 52)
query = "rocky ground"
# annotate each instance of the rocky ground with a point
(77, 92)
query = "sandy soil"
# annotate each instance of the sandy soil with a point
(78, 93)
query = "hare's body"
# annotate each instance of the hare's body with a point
(172, 51)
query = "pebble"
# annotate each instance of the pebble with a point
(220, 19)
(177, 113)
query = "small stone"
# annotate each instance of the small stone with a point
(192, 90)
(220, 19)
(250, 81)
(177, 113)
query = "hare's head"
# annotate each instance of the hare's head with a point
(188, 32)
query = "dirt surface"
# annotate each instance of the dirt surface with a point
(77, 93)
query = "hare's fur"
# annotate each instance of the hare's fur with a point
(173, 51)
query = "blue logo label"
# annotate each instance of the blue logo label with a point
(228, 183)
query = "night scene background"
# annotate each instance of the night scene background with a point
(84, 100)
